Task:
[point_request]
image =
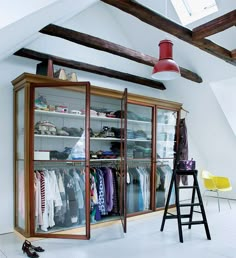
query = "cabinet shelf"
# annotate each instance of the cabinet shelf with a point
(130, 160)
(55, 136)
(138, 140)
(163, 124)
(72, 161)
(100, 118)
(91, 138)
(165, 141)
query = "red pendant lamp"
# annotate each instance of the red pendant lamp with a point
(166, 68)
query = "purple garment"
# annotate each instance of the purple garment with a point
(97, 214)
(109, 189)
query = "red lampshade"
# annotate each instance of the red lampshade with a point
(166, 68)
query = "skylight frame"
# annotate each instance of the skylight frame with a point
(189, 11)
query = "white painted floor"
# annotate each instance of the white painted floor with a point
(143, 239)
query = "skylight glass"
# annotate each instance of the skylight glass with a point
(193, 10)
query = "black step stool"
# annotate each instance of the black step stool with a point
(195, 189)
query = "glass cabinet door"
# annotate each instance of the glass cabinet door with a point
(139, 158)
(60, 155)
(165, 147)
(106, 158)
(20, 176)
(123, 167)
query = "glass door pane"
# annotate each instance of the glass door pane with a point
(60, 161)
(165, 145)
(105, 145)
(139, 158)
(123, 167)
(20, 194)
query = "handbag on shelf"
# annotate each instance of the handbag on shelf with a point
(186, 164)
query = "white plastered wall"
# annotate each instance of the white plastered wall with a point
(211, 141)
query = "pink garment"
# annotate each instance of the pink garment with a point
(37, 194)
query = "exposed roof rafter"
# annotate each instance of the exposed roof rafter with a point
(233, 54)
(110, 47)
(217, 25)
(160, 22)
(89, 68)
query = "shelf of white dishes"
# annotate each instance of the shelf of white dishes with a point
(104, 118)
(91, 138)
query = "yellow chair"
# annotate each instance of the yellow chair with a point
(216, 184)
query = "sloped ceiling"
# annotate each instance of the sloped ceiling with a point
(225, 92)
(17, 12)
(19, 30)
(140, 36)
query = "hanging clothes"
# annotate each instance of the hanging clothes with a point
(115, 209)
(138, 189)
(37, 194)
(109, 187)
(101, 192)
(60, 212)
(183, 148)
(72, 204)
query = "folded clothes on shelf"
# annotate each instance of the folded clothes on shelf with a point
(130, 115)
(72, 131)
(140, 134)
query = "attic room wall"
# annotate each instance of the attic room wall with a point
(12, 67)
(208, 129)
(206, 143)
(199, 98)
(225, 93)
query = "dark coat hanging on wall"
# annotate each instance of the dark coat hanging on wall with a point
(183, 148)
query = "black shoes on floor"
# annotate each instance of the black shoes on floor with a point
(31, 250)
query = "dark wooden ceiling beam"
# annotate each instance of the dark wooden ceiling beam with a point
(110, 47)
(233, 54)
(89, 68)
(160, 22)
(217, 25)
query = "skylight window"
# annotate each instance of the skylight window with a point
(193, 10)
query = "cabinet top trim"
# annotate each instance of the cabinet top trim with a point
(24, 78)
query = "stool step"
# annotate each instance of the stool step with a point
(197, 222)
(189, 204)
(186, 172)
(197, 211)
(174, 216)
(187, 187)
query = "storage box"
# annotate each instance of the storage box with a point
(41, 155)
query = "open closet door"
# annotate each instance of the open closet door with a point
(123, 162)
